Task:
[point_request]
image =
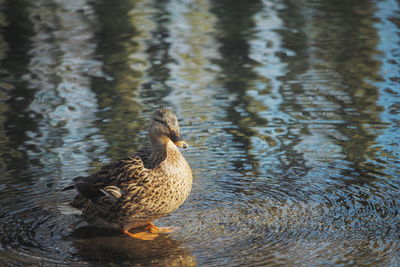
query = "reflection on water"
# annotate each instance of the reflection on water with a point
(291, 109)
(62, 64)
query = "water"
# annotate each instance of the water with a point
(291, 109)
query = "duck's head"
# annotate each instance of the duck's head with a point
(164, 127)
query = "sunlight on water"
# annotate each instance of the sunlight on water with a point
(290, 109)
(61, 71)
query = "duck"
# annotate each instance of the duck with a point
(138, 189)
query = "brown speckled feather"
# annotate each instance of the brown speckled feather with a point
(140, 188)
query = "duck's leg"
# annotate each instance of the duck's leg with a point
(159, 230)
(141, 235)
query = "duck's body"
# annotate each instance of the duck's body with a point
(140, 188)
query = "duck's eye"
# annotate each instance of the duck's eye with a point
(173, 135)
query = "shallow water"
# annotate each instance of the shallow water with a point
(291, 109)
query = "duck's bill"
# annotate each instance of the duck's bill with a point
(178, 141)
(181, 144)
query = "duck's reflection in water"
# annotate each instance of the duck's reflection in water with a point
(100, 246)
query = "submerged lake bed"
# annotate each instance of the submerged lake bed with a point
(291, 110)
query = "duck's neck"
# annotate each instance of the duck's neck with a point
(163, 151)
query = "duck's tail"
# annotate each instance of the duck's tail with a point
(68, 209)
(68, 188)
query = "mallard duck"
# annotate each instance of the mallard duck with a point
(141, 188)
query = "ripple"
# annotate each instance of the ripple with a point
(291, 112)
(47, 238)
(286, 231)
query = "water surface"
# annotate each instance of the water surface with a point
(291, 109)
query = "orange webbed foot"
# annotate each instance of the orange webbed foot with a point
(159, 230)
(141, 235)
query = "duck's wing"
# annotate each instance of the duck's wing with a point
(111, 182)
